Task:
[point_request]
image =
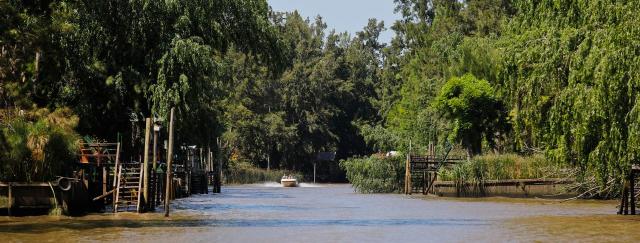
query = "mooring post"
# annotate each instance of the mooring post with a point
(621, 209)
(154, 173)
(104, 181)
(632, 194)
(626, 198)
(10, 198)
(424, 182)
(169, 159)
(145, 167)
(115, 176)
(219, 175)
(407, 175)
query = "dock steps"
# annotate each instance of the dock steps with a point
(129, 188)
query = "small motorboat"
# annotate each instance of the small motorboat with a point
(289, 181)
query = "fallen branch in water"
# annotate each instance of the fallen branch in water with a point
(582, 196)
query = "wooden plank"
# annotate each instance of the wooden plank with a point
(140, 185)
(117, 195)
(98, 144)
(115, 176)
(105, 195)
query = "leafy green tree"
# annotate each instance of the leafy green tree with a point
(473, 109)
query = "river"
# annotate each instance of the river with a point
(335, 213)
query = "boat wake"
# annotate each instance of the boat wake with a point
(275, 184)
(309, 185)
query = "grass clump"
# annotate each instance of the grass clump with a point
(503, 167)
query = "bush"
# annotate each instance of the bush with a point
(375, 174)
(37, 145)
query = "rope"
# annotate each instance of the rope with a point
(54, 194)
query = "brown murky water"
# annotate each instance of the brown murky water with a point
(334, 213)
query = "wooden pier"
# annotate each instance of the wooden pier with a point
(630, 192)
(421, 172)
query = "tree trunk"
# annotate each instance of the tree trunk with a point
(473, 146)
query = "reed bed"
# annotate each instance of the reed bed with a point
(503, 167)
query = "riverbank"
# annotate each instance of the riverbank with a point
(519, 188)
(488, 175)
(335, 213)
(245, 173)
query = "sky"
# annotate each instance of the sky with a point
(343, 15)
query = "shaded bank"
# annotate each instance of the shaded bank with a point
(245, 173)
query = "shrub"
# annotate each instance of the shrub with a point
(37, 145)
(375, 174)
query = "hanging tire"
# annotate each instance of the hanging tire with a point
(64, 184)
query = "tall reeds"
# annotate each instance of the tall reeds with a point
(503, 167)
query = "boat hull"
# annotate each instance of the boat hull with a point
(289, 182)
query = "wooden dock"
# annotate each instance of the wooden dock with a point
(421, 172)
(630, 192)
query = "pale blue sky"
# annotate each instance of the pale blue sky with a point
(343, 15)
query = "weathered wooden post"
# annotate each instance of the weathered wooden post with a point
(406, 175)
(157, 189)
(116, 170)
(169, 160)
(104, 182)
(424, 181)
(145, 167)
(218, 169)
(10, 198)
(626, 197)
(156, 130)
(632, 194)
(211, 177)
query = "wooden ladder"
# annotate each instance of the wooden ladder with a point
(129, 188)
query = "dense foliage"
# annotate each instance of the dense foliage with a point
(475, 111)
(37, 145)
(567, 72)
(552, 77)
